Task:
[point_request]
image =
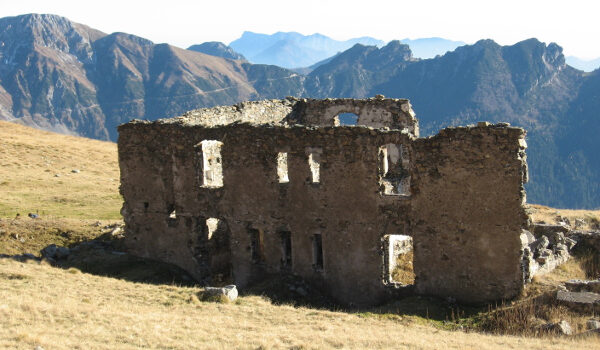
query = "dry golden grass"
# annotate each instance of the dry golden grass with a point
(29, 161)
(404, 272)
(25, 235)
(538, 306)
(541, 213)
(66, 309)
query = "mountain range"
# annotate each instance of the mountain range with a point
(216, 48)
(291, 49)
(64, 76)
(296, 51)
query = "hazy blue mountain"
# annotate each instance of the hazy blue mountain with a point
(584, 65)
(431, 47)
(421, 48)
(292, 50)
(217, 48)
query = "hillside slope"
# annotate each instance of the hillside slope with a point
(36, 175)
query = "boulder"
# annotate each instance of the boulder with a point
(229, 291)
(54, 252)
(593, 324)
(563, 328)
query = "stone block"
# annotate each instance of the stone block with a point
(585, 302)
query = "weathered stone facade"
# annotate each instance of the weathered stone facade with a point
(280, 187)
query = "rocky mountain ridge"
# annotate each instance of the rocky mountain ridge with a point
(218, 49)
(63, 76)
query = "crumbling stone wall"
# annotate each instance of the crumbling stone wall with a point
(460, 197)
(467, 212)
(377, 112)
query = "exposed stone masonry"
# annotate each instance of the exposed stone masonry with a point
(288, 190)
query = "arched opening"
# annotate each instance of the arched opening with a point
(218, 237)
(346, 119)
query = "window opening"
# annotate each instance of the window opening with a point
(212, 169)
(314, 162)
(286, 249)
(346, 119)
(172, 218)
(399, 256)
(317, 243)
(394, 177)
(256, 246)
(212, 224)
(282, 167)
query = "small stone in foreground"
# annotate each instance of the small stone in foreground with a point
(229, 291)
(563, 328)
(593, 324)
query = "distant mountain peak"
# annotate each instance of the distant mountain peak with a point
(217, 48)
(292, 49)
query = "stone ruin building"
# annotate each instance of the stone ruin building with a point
(284, 186)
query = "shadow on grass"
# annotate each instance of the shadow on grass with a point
(105, 256)
(292, 290)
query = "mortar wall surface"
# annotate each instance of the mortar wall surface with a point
(464, 210)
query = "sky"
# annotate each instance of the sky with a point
(572, 24)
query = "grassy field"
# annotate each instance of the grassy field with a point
(65, 308)
(36, 175)
(541, 213)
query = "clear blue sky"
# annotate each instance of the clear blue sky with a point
(572, 24)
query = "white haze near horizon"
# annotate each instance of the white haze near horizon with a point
(571, 24)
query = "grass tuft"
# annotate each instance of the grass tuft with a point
(73, 270)
(218, 298)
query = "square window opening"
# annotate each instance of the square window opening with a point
(314, 162)
(282, 167)
(212, 167)
(398, 260)
(394, 177)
